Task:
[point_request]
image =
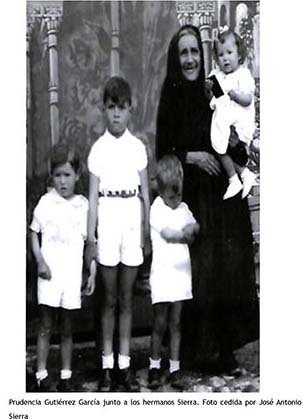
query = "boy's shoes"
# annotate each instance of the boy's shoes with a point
(105, 381)
(44, 386)
(233, 188)
(65, 386)
(154, 378)
(127, 381)
(248, 179)
(175, 380)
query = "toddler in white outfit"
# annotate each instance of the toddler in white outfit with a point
(172, 228)
(233, 108)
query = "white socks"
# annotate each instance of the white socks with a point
(154, 363)
(248, 179)
(173, 366)
(65, 374)
(123, 361)
(108, 361)
(234, 187)
(41, 375)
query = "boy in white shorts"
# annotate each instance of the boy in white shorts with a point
(118, 208)
(60, 218)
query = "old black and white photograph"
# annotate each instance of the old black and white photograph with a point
(142, 206)
(157, 229)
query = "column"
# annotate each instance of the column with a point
(200, 14)
(114, 56)
(52, 28)
(49, 14)
(29, 151)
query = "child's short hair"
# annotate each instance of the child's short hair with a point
(118, 90)
(169, 173)
(64, 153)
(238, 40)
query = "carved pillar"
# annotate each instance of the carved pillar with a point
(52, 28)
(200, 14)
(114, 56)
(29, 150)
(49, 15)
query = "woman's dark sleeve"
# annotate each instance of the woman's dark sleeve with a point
(167, 126)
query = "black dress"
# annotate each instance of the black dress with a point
(224, 312)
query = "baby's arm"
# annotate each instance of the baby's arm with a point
(43, 269)
(91, 251)
(146, 211)
(242, 98)
(243, 94)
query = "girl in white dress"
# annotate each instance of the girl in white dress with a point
(172, 228)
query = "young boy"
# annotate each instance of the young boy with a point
(173, 226)
(59, 220)
(117, 193)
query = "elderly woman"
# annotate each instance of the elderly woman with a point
(224, 313)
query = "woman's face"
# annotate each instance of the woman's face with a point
(189, 55)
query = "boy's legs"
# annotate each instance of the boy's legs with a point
(127, 279)
(109, 281)
(44, 333)
(175, 330)
(175, 340)
(235, 185)
(66, 338)
(160, 315)
(66, 317)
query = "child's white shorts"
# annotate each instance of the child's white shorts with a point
(119, 231)
(64, 287)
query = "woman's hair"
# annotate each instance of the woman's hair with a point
(174, 74)
(64, 153)
(118, 90)
(238, 40)
(169, 173)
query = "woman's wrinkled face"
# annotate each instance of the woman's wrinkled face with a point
(190, 58)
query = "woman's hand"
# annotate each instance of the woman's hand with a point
(205, 161)
(208, 85)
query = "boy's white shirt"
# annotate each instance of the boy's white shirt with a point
(117, 161)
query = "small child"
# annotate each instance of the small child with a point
(172, 228)
(118, 204)
(232, 110)
(60, 219)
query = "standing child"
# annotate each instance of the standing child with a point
(234, 108)
(60, 218)
(118, 181)
(172, 228)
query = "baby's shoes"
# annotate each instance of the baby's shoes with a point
(234, 187)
